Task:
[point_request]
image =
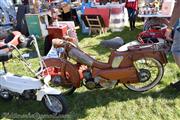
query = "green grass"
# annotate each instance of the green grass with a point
(160, 103)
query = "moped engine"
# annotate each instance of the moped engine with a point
(97, 82)
(106, 83)
(88, 80)
(56, 80)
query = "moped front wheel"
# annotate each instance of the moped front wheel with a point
(67, 90)
(150, 72)
(55, 104)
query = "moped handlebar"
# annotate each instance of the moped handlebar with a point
(26, 41)
(4, 46)
(19, 41)
(153, 34)
(62, 43)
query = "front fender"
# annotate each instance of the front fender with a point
(46, 90)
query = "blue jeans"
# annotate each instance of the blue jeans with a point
(131, 14)
(132, 17)
(176, 43)
(176, 39)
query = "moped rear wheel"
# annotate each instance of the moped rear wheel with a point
(5, 95)
(150, 72)
(55, 104)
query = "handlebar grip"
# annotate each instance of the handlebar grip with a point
(4, 46)
(26, 42)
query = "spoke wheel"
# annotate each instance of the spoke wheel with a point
(150, 72)
(55, 104)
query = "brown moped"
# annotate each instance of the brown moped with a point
(139, 67)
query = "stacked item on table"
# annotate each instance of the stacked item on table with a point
(117, 18)
(149, 8)
(157, 7)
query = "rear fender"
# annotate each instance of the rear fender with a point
(135, 53)
(149, 52)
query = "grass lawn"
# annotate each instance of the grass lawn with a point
(160, 103)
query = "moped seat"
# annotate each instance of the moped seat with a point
(127, 45)
(5, 56)
(113, 43)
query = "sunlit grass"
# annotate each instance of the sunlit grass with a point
(160, 103)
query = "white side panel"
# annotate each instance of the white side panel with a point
(19, 83)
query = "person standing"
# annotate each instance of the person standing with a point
(132, 7)
(8, 10)
(25, 2)
(174, 24)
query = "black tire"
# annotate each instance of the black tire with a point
(69, 91)
(47, 44)
(65, 90)
(6, 96)
(150, 73)
(59, 105)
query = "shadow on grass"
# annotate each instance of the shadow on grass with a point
(170, 58)
(79, 103)
(11, 109)
(81, 35)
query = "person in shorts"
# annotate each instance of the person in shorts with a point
(174, 25)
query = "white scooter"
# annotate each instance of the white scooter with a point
(28, 87)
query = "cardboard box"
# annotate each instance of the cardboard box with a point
(57, 31)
